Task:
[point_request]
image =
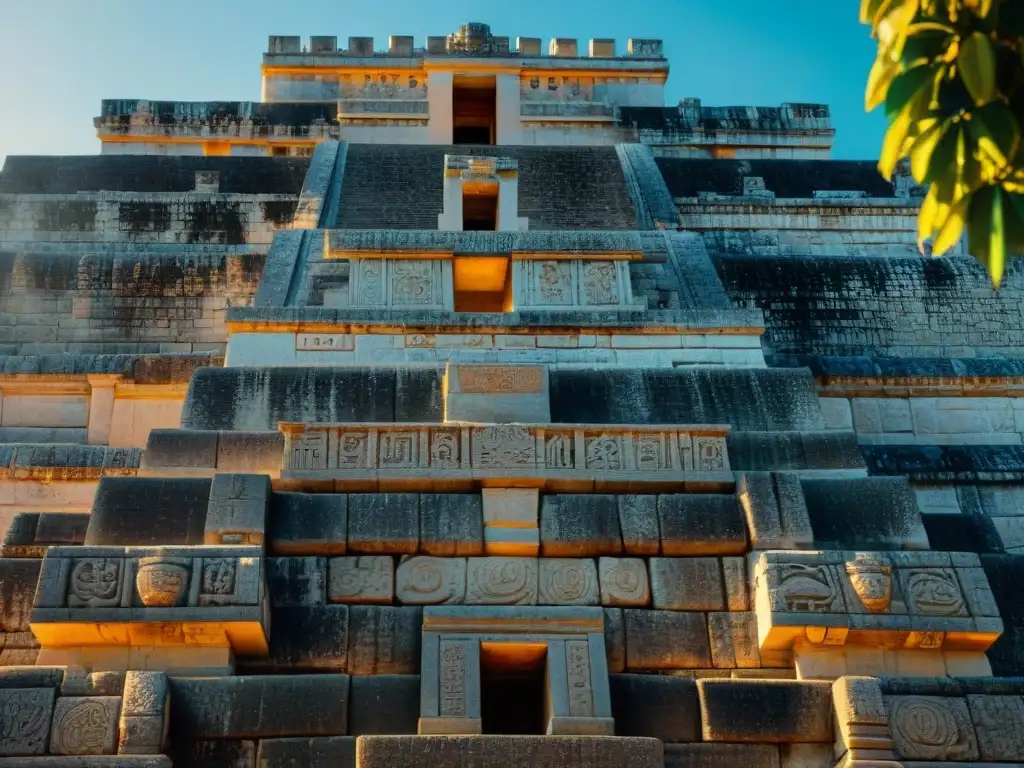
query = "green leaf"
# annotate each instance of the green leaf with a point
(894, 146)
(986, 234)
(926, 44)
(1013, 213)
(891, 23)
(997, 240)
(906, 85)
(953, 229)
(979, 8)
(941, 159)
(977, 63)
(997, 133)
(882, 73)
(923, 149)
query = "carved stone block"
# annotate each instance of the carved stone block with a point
(431, 580)
(931, 728)
(932, 592)
(85, 725)
(25, 715)
(502, 581)
(999, 724)
(565, 581)
(95, 582)
(237, 513)
(624, 582)
(369, 579)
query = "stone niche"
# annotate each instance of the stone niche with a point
(472, 184)
(514, 670)
(395, 283)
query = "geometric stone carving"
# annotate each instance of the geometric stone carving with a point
(565, 581)
(95, 583)
(368, 579)
(413, 456)
(932, 592)
(237, 512)
(502, 581)
(498, 394)
(431, 580)
(931, 728)
(85, 725)
(162, 582)
(624, 581)
(25, 715)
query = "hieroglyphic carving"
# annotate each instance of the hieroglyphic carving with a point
(604, 452)
(85, 725)
(368, 579)
(558, 452)
(650, 452)
(95, 583)
(577, 667)
(352, 450)
(399, 449)
(308, 451)
(498, 378)
(710, 454)
(931, 728)
(25, 720)
(444, 450)
(552, 282)
(503, 446)
(871, 578)
(932, 592)
(162, 582)
(565, 581)
(431, 580)
(412, 282)
(501, 581)
(599, 282)
(624, 582)
(453, 679)
(806, 589)
(371, 282)
(219, 575)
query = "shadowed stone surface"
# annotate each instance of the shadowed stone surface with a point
(661, 640)
(305, 639)
(140, 511)
(701, 524)
(384, 640)
(181, 448)
(256, 399)
(482, 751)
(766, 710)
(18, 579)
(1006, 575)
(638, 520)
(384, 704)
(307, 523)
(451, 524)
(296, 581)
(579, 525)
(864, 513)
(317, 752)
(213, 754)
(748, 399)
(765, 451)
(656, 706)
(615, 639)
(724, 756)
(687, 583)
(254, 707)
(383, 523)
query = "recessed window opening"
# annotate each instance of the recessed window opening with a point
(482, 284)
(480, 209)
(513, 688)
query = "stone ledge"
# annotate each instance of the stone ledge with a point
(546, 752)
(91, 761)
(51, 463)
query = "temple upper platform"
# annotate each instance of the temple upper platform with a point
(469, 87)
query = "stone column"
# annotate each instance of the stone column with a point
(572, 709)
(101, 408)
(862, 724)
(450, 218)
(507, 97)
(449, 686)
(439, 107)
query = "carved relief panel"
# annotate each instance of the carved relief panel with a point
(571, 284)
(401, 283)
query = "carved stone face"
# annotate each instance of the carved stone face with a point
(872, 581)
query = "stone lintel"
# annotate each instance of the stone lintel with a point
(517, 620)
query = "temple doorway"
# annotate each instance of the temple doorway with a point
(513, 688)
(474, 110)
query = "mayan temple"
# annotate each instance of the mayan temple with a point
(465, 405)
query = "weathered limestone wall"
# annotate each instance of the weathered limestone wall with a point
(122, 298)
(137, 217)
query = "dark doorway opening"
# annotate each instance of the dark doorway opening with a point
(480, 212)
(474, 111)
(513, 689)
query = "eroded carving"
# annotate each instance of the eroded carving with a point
(453, 679)
(218, 576)
(501, 581)
(309, 451)
(553, 282)
(162, 582)
(604, 452)
(398, 449)
(95, 583)
(25, 720)
(871, 578)
(577, 667)
(558, 452)
(600, 282)
(932, 592)
(431, 580)
(931, 728)
(624, 581)
(568, 582)
(504, 446)
(806, 588)
(444, 450)
(710, 454)
(85, 725)
(368, 579)
(352, 450)
(411, 282)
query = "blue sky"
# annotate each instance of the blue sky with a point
(59, 58)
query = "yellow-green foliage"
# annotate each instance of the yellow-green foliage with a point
(950, 74)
